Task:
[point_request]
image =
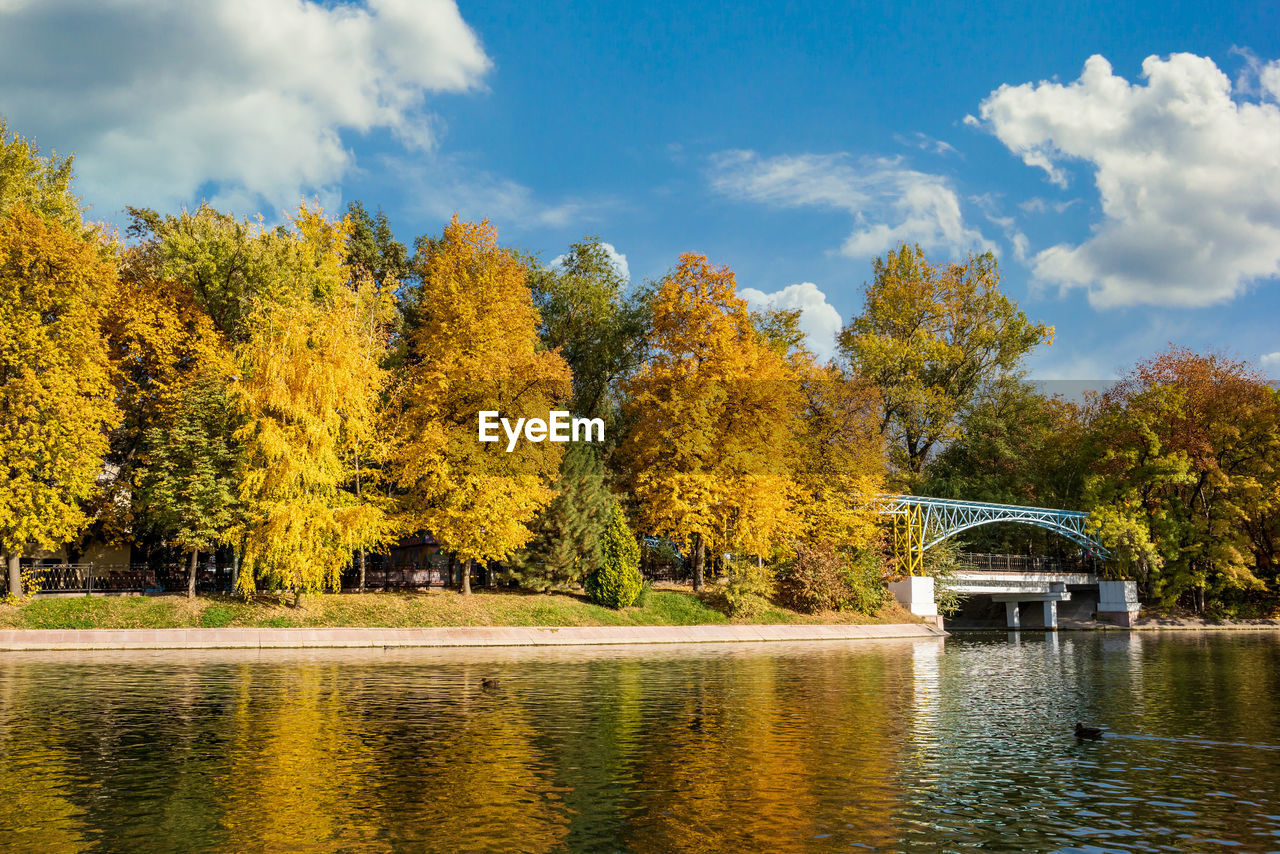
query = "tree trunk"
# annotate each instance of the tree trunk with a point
(359, 500)
(191, 574)
(699, 561)
(15, 573)
(466, 578)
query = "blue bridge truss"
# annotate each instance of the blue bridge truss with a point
(920, 523)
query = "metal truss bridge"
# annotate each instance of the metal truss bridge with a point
(920, 523)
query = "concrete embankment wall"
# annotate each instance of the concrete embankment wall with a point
(462, 636)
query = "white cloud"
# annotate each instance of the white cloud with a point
(616, 258)
(1270, 362)
(1037, 205)
(1188, 176)
(924, 142)
(820, 322)
(244, 100)
(990, 208)
(1269, 77)
(442, 185)
(889, 202)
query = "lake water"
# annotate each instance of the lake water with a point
(901, 745)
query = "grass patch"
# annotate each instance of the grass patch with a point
(217, 615)
(660, 607)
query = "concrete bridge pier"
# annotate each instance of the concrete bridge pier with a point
(1049, 599)
(1118, 602)
(915, 593)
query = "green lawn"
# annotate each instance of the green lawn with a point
(437, 608)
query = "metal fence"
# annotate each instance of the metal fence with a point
(410, 576)
(90, 578)
(1026, 563)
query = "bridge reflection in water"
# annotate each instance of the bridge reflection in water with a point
(921, 522)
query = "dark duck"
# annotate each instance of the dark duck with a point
(1090, 732)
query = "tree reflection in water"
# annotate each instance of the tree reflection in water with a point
(795, 747)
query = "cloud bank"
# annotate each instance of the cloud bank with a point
(1187, 173)
(890, 203)
(244, 101)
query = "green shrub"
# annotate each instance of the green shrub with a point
(617, 582)
(749, 588)
(819, 578)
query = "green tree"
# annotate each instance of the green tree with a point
(567, 534)
(929, 338)
(584, 310)
(56, 402)
(224, 262)
(1016, 446)
(190, 470)
(373, 248)
(616, 582)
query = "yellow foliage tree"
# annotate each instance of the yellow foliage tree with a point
(477, 349)
(713, 415)
(931, 336)
(56, 402)
(840, 458)
(310, 379)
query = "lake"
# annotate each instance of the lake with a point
(901, 745)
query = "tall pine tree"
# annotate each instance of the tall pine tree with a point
(566, 543)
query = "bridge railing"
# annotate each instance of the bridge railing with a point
(982, 562)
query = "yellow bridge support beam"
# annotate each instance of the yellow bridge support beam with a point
(908, 540)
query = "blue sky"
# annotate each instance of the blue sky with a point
(1133, 198)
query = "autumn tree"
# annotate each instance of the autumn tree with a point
(475, 349)
(56, 402)
(711, 417)
(929, 338)
(839, 459)
(281, 327)
(170, 371)
(183, 309)
(39, 183)
(1016, 446)
(1187, 447)
(374, 257)
(310, 379)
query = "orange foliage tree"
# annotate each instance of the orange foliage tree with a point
(712, 416)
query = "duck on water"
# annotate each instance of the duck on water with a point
(1090, 732)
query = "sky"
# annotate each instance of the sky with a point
(1121, 160)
